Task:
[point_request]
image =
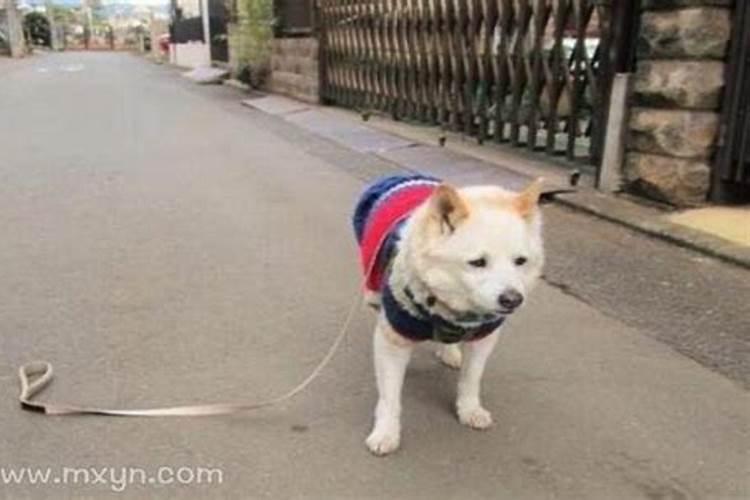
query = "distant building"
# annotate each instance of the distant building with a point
(198, 32)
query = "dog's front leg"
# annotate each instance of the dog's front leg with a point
(392, 355)
(468, 404)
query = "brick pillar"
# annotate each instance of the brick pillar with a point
(676, 98)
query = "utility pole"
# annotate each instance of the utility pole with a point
(53, 33)
(15, 30)
(206, 18)
(88, 30)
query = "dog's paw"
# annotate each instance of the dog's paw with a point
(475, 417)
(450, 355)
(383, 441)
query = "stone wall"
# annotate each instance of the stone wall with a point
(294, 68)
(676, 99)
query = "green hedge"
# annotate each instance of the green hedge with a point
(249, 40)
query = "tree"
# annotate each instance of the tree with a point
(37, 29)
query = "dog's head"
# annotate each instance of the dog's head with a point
(479, 248)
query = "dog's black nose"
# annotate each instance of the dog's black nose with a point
(510, 299)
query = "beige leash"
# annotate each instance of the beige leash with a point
(42, 370)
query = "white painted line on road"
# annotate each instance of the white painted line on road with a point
(72, 68)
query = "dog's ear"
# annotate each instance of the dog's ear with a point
(447, 207)
(527, 201)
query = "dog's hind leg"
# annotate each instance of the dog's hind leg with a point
(468, 403)
(450, 355)
(392, 354)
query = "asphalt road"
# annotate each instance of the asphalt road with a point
(164, 245)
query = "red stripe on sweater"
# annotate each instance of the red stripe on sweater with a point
(381, 222)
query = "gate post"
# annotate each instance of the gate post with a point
(609, 176)
(608, 146)
(206, 22)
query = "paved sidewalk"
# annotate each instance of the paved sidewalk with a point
(341, 128)
(463, 161)
(729, 223)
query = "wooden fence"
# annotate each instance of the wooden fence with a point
(527, 72)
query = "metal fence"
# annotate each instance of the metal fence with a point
(533, 73)
(218, 17)
(732, 172)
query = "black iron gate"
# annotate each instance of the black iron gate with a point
(182, 28)
(532, 73)
(218, 17)
(731, 180)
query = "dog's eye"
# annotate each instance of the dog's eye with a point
(519, 261)
(480, 262)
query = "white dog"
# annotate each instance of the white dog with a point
(446, 265)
